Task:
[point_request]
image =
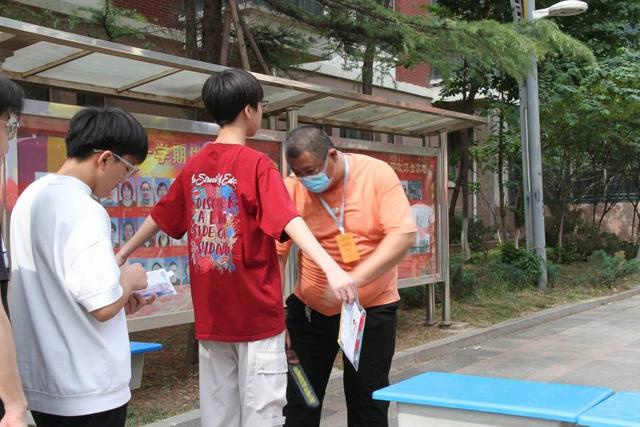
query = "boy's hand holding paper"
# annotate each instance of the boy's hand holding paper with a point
(159, 284)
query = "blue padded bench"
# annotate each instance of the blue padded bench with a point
(138, 349)
(620, 410)
(448, 400)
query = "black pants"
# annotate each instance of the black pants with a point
(112, 418)
(315, 342)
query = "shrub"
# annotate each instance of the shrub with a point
(582, 240)
(515, 267)
(463, 281)
(413, 297)
(613, 267)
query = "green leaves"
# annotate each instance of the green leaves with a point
(444, 38)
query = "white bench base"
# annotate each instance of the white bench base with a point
(421, 416)
(137, 363)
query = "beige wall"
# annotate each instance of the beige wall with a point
(618, 221)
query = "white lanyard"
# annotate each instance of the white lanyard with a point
(339, 220)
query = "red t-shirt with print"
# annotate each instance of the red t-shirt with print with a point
(232, 202)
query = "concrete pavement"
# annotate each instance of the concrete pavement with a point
(598, 347)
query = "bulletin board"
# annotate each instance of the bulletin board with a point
(40, 150)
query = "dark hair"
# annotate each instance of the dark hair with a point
(307, 138)
(227, 93)
(10, 96)
(145, 182)
(161, 184)
(107, 128)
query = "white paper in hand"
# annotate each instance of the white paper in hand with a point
(158, 283)
(352, 320)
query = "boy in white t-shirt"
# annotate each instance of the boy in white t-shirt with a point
(68, 293)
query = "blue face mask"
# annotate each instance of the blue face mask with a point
(318, 182)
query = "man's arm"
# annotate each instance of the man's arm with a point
(391, 249)
(147, 230)
(15, 403)
(340, 282)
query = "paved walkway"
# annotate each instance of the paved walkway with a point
(598, 347)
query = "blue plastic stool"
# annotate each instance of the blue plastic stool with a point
(620, 410)
(138, 350)
(444, 400)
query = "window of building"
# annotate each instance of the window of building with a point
(350, 133)
(87, 99)
(35, 91)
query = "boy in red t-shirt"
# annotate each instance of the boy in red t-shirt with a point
(232, 202)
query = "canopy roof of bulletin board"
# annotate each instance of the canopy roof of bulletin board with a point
(42, 55)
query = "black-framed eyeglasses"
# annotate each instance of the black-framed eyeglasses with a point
(131, 168)
(12, 128)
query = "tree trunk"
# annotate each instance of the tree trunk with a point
(190, 29)
(454, 196)
(561, 230)
(633, 222)
(226, 34)
(516, 219)
(635, 230)
(242, 47)
(367, 78)
(503, 215)
(254, 46)
(212, 39)
(464, 170)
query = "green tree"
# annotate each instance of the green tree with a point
(353, 27)
(225, 34)
(591, 117)
(606, 27)
(474, 78)
(110, 22)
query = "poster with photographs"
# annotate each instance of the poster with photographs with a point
(41, 149)
(417, 175)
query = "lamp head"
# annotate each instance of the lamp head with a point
(563, 8)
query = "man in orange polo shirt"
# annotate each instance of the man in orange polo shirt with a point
(355, 200)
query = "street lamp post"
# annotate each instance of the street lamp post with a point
(525, 10)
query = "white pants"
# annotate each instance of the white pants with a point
(243, 384)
